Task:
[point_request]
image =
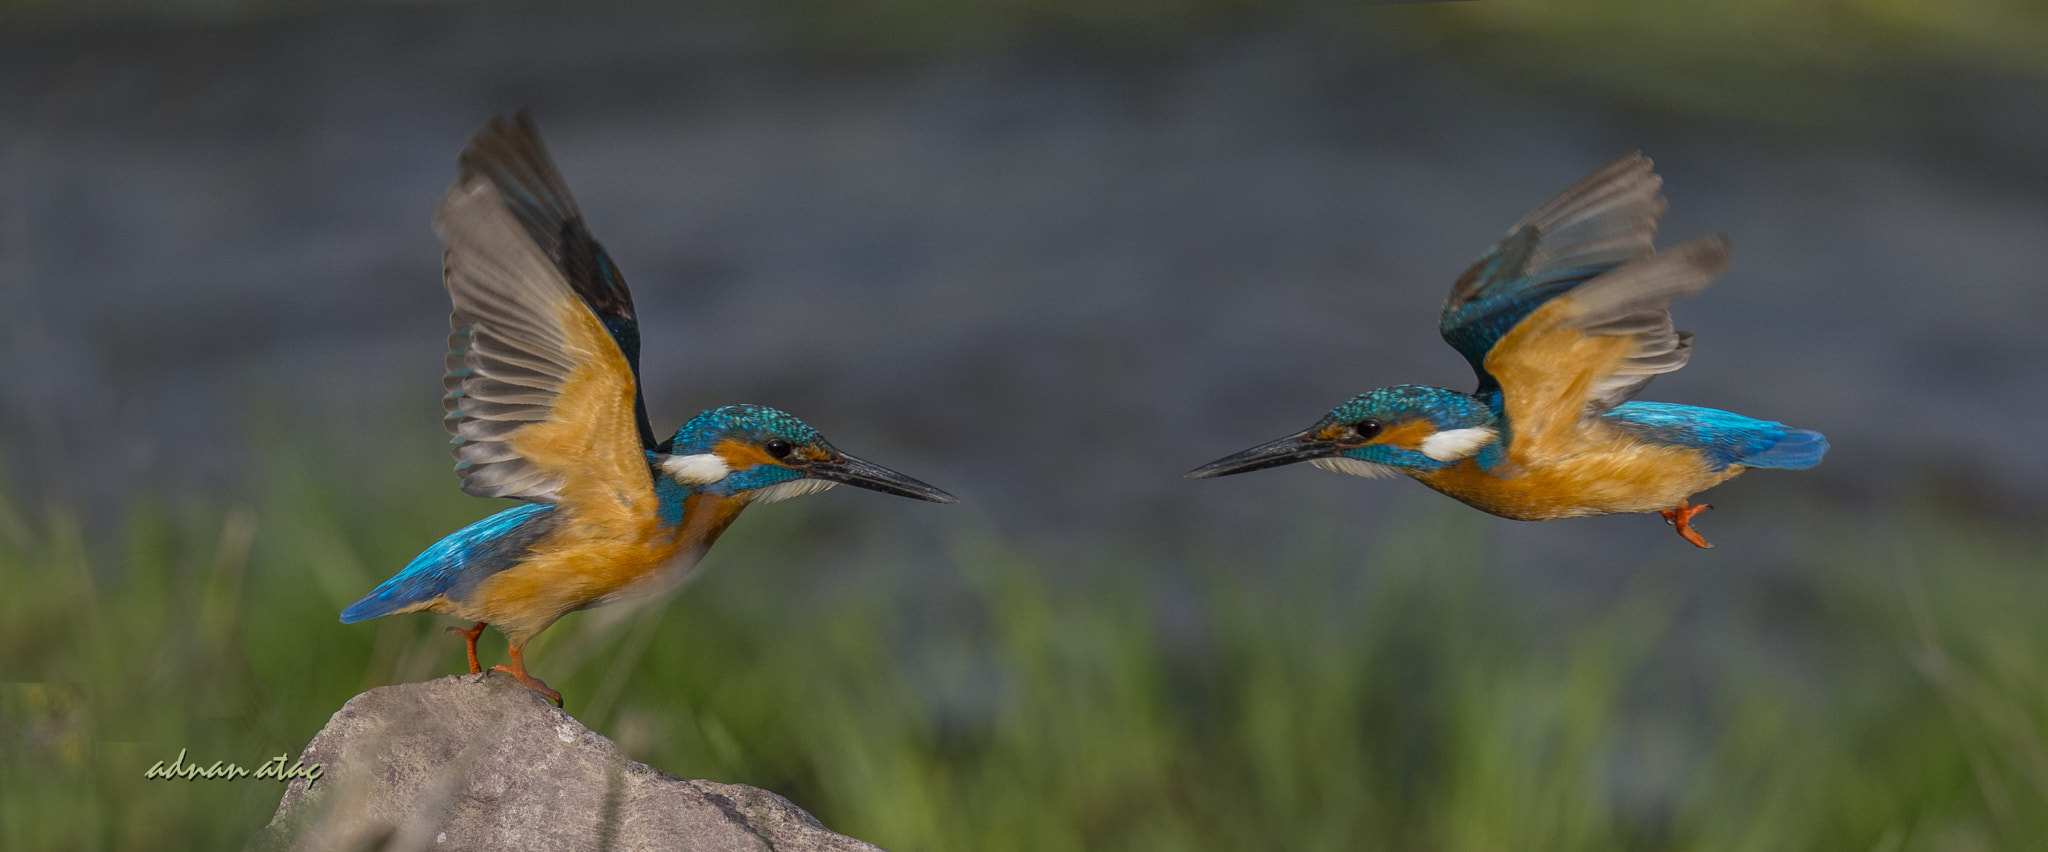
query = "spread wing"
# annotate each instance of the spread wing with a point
(1606, 219)
(1588, 350)
(541, 398)
(509, 155)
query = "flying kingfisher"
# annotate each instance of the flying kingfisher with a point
(544, 403)
(1564, 320)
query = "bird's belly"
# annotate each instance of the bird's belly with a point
(664, 577)
(561, 577)
(1631, 477)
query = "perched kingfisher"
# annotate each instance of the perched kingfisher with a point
(544, 403)
(1564, 320)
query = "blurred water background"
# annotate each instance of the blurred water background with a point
(1048, 255)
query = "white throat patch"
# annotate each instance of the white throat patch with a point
(1454, 444)
(792, 488)
(699, 469)
(1346, 464)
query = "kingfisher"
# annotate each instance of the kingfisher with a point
(1564, 321)
(543, 399)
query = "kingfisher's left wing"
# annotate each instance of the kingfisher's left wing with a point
(1585, 351)
(541, 398)
(1606, 219)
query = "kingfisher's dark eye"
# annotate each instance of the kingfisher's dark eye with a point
(1366, 428)
(777, 447)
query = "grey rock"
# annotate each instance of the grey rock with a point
(468, 763)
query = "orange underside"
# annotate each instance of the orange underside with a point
(581, 567)
(1617, 475)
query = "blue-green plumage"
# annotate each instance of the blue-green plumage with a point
(1447, 409)
(669, 496)
(455, 564)
(1499, 291)
(1724, 437)
(752, 479)
(1444, 409)
(754, 425)
(758, 422)
(1474, 327)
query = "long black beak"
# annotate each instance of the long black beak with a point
(874, 477)
(1298, 447)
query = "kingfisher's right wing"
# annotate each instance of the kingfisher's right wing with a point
(1606, 219)
(509, 155)
(542, 399)
(1584, 352)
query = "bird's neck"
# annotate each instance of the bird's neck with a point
(1490, 396)
(1458, 411)
(696, 517)
(670, 498)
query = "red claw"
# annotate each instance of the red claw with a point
(1681, 518)
(518, 670)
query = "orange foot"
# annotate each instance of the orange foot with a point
(518, 670)
(471, 635)
(1681, 518)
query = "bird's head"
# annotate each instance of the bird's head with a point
(761, 454)
(1378, 433)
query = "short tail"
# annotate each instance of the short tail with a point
(371, 606)
(1798, 450)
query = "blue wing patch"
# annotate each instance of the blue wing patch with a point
(1474, 327)
(1725, 437)
(457, 563)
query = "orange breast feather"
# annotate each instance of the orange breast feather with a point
(581, 567)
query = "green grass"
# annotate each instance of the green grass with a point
(1889, 693)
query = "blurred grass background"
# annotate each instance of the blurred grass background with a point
(1886, 690)
(1896, 698)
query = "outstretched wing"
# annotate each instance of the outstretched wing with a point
(1586, 351)
(508, 154)
(541, 398)
(1606, 219)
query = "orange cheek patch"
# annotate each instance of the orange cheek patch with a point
(740, 455)
(1407, 436)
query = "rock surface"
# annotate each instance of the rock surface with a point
(457, 764)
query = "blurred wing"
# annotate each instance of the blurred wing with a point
(1605, 220)
(509, 155)
(540, 398)
(1586, 351)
